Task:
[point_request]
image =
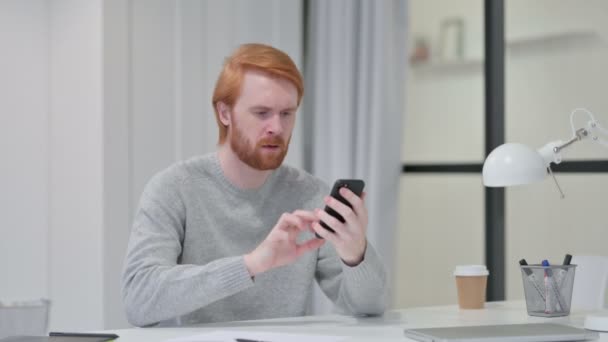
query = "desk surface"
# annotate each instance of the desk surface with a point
(386, 328)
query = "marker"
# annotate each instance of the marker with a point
(532, 278)
(567, 259)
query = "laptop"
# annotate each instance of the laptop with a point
(534, 332)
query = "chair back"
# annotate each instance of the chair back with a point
(590, 281)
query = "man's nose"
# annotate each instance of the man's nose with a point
(275, 124)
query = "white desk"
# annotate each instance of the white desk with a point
(386, 328)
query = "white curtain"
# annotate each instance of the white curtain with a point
(355, 77)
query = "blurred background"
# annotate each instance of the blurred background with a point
(97, 96)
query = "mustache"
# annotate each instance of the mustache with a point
(275, 140)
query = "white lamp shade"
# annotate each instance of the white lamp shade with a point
(513, 164)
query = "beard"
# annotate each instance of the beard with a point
(255, 155)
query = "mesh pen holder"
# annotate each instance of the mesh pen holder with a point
(548, 289)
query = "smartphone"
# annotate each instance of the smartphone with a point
(355, 185)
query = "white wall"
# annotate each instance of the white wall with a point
(545, 81)
(96, 97)
(441, 226)
(116, 153)
(51, 147)
(75, 164)
(445, 101)
(441, 222)
(24, 137)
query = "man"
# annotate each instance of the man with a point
(230, 235)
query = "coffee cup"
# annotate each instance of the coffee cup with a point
(471, 282)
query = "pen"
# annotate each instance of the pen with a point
(564, 272)
(550, 281)
(247, 340)
(532, 278)
(109, 337)
(548, 303)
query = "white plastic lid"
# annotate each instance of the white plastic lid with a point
(471, 270)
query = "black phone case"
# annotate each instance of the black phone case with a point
(355, 185)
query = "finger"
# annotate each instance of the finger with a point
(354, 200)
(306, 215)
(298, 222)
(324, 233)
(363, 214)
(289, 221)
(309, 245)
(331, 221)
(345, 211)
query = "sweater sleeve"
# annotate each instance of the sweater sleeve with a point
(358, 290)
(155, 287)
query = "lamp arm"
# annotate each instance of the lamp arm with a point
(551, 152)
(580, 134)
(594, 128)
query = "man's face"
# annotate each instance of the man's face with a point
(262, 120)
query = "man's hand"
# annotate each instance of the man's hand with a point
(349, 237)
(280, 247)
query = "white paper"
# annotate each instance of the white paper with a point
(260, 336)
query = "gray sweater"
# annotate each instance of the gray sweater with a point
(184, 263)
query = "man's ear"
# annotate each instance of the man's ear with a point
(224, 113)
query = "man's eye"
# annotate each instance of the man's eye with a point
(261, 113)
(286, 113)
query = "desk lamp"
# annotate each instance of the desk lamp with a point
(517, 164)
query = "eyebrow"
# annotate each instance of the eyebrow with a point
(265, 108)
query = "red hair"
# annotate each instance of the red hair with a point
(260, 57)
